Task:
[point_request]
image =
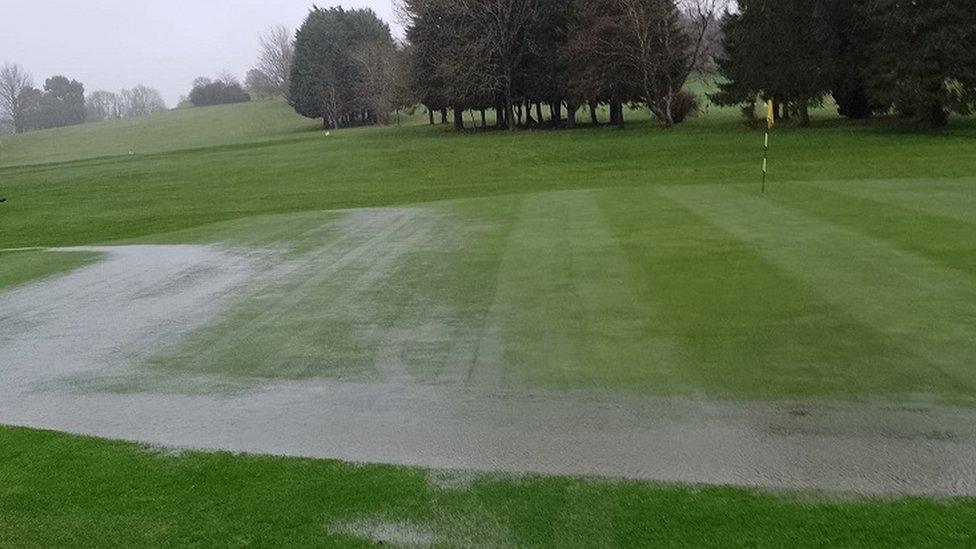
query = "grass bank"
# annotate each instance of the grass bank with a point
(58, 490)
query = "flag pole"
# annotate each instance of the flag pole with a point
(770, 121)
(765, 158)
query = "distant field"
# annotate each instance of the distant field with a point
(165, 131)
(640, 261)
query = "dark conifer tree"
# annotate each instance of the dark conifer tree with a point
(925, 59)
(776, 49)
(852, 41)
(328, 79)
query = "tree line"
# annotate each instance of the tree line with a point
(127, 103)
(62, 102)
(516, 56)
(912, 57)
(512, 57)
(543, 62)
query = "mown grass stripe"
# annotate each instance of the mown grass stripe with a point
(937, 237)
(950, 198)
(925, 309)
(744, 327)
(572, 316)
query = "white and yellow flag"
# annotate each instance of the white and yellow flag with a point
(770, 113)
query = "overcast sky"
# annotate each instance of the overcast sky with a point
(165, 44)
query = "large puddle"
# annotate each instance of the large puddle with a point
(109, 318)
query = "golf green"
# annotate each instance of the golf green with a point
(624, 266)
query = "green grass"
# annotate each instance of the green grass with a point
(58, 490)
(123, 197)
(639, 260)
(24, 266)
(707, 290)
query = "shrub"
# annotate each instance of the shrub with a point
(684, 105)
(218, 93)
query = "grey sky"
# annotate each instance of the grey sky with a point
(111, 44)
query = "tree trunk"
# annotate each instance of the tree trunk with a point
(617, 113)
(458, 119)
(666, 117)
(538, 112)
(557, 113)
(529, 121)
(430, 114)
(594, 118)
(484, 120)
(509, 107)
(444, 116)
(937, 116)
(804, 114)
(570, 116)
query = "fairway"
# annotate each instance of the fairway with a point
(599, 303)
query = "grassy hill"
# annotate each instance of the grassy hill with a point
(640, 260)
(261, 158)
(172, 130)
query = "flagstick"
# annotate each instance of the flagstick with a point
(770, 120)
(765, 158)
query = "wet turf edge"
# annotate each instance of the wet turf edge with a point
(60, 490)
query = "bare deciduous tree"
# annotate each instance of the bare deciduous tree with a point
(276, 56)
(503, 27)
(377, 69)
(141, 101)
(201, 81)
(259, 84)
(13, 80)
(228, 78)
(102, 105)
(646, 50)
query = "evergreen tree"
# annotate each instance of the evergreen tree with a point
(852, 42)
(925, 60)
(544, 77)
(429, 42)
(328, 79)
(777, 49)
(62, 103)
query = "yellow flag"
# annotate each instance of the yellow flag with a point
(770, 114)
